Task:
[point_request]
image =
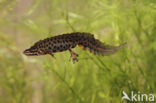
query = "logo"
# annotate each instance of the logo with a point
(138, 97)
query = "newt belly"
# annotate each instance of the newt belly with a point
(65, 42)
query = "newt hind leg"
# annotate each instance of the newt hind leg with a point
(73, 56)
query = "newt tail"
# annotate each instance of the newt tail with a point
(65, 42)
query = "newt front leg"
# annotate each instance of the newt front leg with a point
(73, 56)
(52, 55)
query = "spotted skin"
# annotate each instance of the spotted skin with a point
(68, 41)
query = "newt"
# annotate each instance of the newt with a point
(68, 41)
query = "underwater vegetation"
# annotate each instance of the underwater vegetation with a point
(94, 78)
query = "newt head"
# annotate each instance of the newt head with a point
(33, 51)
